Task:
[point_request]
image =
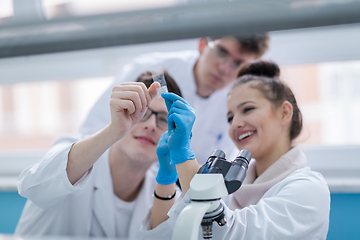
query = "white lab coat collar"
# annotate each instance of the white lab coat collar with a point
(140, 208)
(104, 198)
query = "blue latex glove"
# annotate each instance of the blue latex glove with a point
(181, 118)
(167, 173)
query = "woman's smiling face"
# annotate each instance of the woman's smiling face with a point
(255, 124)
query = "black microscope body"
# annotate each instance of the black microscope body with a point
(234, 173)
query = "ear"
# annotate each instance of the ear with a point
(286, 111)
(202, 44)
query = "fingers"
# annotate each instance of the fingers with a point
(126, 100)
(119, 105)
(163, 140)
(176, 121)
(181, 105)
(153, 89)
(183, 110)
(133, 96)
(163, 147)
(138, 87)
(180, 114)
(168, 104)
(170, 98)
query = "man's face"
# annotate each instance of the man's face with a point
(218, 64)
(140, 142)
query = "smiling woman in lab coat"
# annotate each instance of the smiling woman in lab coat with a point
(280, 198)
(101, 185)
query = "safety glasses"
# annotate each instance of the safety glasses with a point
(222, 54)
(161, 118)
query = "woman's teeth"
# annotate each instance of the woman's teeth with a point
(245, 135)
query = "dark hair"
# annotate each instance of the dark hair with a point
(147, 79)
(265, 76)
(256, 43)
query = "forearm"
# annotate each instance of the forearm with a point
(186, 171)
(161, 207)
(86, 152)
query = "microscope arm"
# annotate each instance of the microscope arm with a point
(206, 191)
(194, 211)
(207, 188)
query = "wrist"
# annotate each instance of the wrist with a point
(182, 156)
(165, 190)
(168, 197)
(114, 134)
(167, 177)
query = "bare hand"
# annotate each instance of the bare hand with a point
(128, 104)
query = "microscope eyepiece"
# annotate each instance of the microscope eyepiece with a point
(218, 153)
(211, 165)
(245, 155)
(234, 172)
(237, 172)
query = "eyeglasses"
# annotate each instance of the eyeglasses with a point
(161, 118)
(223, 54)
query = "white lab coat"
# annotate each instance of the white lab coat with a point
(56, 207)
(295, 208)
(210, 130)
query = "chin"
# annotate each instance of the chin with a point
(217, 86)
(246, 147)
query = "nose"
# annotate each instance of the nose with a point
(225, 67)
(237, 122)
(150, 124)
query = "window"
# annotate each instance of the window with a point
(35, 114)
(6, 10)
(328, 96)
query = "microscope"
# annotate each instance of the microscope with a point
(215, 179)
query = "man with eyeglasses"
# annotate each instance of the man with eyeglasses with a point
(161, 118)
(101, 185)
(204, 77)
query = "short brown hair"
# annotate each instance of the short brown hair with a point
(256, 44)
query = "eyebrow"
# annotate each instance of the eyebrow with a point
(162, 112)
(238, 61)
(240, 105)
(158, 111)
(222, 48)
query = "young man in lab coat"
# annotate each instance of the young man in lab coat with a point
(101, 185)
(204, 77)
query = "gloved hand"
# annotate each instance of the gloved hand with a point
(167, 173)
(181, 118)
